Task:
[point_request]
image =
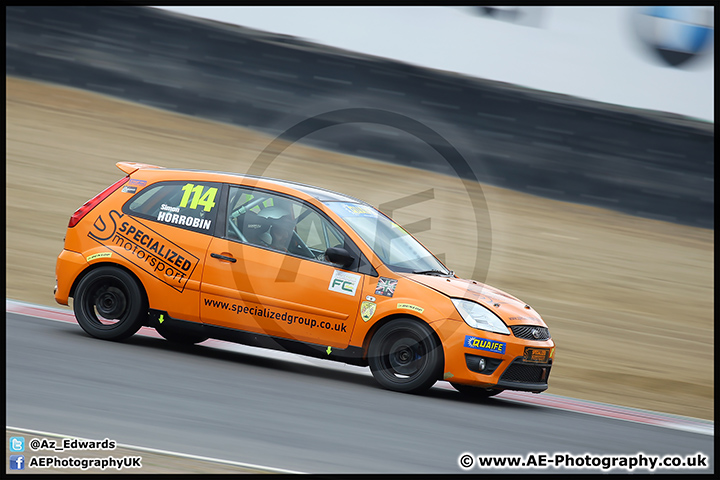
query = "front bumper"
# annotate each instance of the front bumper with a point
(490, 360)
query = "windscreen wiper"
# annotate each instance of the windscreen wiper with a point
(436, 272)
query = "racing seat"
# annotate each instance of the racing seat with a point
(255, 228)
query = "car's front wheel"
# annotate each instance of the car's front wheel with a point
(109, 304)
(405, 356)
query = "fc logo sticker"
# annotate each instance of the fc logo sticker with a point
(344, 282)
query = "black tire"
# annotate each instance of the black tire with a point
(109, 304)
(175, 335)
(479, 393)
(404, 356)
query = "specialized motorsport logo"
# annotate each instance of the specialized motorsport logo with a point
(145, 248)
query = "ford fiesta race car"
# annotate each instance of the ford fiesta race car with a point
(276, 264)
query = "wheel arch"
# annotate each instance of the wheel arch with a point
(395, 316)
(119, 266)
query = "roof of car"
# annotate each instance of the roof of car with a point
(321, 194)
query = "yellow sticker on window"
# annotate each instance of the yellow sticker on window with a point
(206, 199)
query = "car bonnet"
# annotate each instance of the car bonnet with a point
(512, 310)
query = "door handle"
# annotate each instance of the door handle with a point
(223, 257)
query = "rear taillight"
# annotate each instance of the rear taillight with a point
(93, 202)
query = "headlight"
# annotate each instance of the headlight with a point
(479, 317)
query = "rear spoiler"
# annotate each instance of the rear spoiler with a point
(132, 167)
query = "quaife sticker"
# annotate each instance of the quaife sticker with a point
(484, 344)
(344, 282)
(144, 247)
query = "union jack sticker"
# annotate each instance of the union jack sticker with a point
(386, 287)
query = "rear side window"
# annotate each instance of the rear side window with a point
(188, 205)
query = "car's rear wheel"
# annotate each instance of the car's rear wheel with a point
(405, 356)
(475, 392)
(109, 304)
(175, 335)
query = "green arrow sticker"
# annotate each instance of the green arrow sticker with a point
(329, 350)
(162, 319)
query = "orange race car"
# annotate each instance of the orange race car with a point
(277, 264)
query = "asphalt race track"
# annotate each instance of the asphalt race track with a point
(243, 405)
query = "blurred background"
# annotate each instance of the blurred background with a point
(586, 134)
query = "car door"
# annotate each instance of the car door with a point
(256, 279)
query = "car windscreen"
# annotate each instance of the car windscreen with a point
(396, 248)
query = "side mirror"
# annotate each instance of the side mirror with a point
(339, 256)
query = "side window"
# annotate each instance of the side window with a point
(267, 220)
(188, 205)
(317, 233)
